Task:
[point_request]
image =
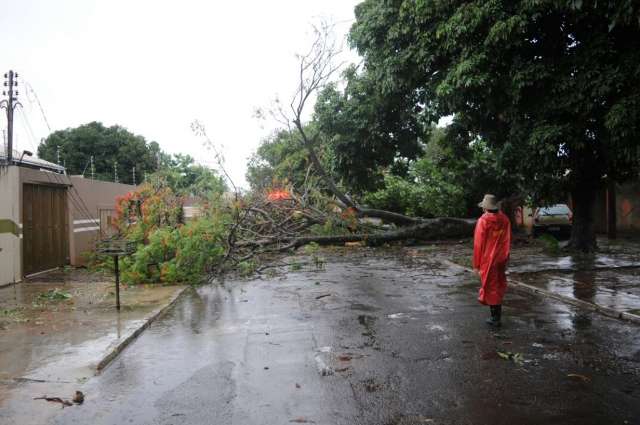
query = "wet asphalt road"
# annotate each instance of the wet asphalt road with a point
(372, 339)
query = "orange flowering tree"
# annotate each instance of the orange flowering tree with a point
(169, 250)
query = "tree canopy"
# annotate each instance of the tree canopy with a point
(550, 86)
(108, 146)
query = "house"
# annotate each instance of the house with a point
(47, 218)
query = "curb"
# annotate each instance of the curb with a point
(156, 314)
(530, 289)
(606, 311)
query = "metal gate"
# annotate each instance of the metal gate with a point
(45, 228)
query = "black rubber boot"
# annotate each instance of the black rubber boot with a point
(496, 315)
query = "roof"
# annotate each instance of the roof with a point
(29, 161)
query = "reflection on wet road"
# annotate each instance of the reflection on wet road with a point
(369, 340)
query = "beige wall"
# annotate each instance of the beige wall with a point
(85, 197)
(12, 179)
(10, 225)
(84, 219)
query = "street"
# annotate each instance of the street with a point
(376, 337)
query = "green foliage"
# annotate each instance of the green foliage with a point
(54, 294)
(448, 180)
(281, 159)
(108, 145)
(550, 244)
(366, 130)
(181, 254)
(182, 175)
(247, 268)
(169, 250)
(13, 315)
(333, 225)
(97, 263)
(311, 248)
(549, 86)
(546, 84)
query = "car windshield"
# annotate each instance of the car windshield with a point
(559, 209)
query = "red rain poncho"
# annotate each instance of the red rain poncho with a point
(491, 244)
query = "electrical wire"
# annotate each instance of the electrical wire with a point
(76, 200)
(28, 129)
(35, 95)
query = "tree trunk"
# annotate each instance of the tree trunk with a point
(429, 229)
(346, 201)
(583, 235)
(612, 220)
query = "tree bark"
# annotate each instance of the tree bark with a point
(583, 235)
(346, 201)
(428, 229)
(612, 220)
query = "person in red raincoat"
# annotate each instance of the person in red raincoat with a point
(491, 246)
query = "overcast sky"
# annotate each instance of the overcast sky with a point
(154, 66)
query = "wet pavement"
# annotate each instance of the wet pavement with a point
(376, 337)
(616, 289)
(54, 329)
(609, 278)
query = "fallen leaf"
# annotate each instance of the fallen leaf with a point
(582, 377)
(302, 420)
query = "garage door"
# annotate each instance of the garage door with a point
(44, 227)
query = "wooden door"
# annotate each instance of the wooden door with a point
(45, 228)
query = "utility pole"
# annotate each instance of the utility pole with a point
(58, 153)
(134, 175)
(93, 169)
(115, 172)
(10, 105)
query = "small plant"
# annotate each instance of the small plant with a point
(246, 268)
(295, 267)
(550, 245)
(311, 248)
(13, 315)
(319, 262)
(54, 295)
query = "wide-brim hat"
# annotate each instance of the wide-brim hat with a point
(489, 202)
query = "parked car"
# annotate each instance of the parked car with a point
(556, 219)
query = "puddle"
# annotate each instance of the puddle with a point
(618, 289)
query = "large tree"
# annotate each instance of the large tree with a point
(185, 177)
(551, 86)
(279, 160)
(366, 129)
(108, 146)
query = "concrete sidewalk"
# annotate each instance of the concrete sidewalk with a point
(56, 330)
(607, 281)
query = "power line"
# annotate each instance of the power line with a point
(35, 95)
(29, 130)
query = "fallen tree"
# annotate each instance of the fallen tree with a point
(264, 227)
